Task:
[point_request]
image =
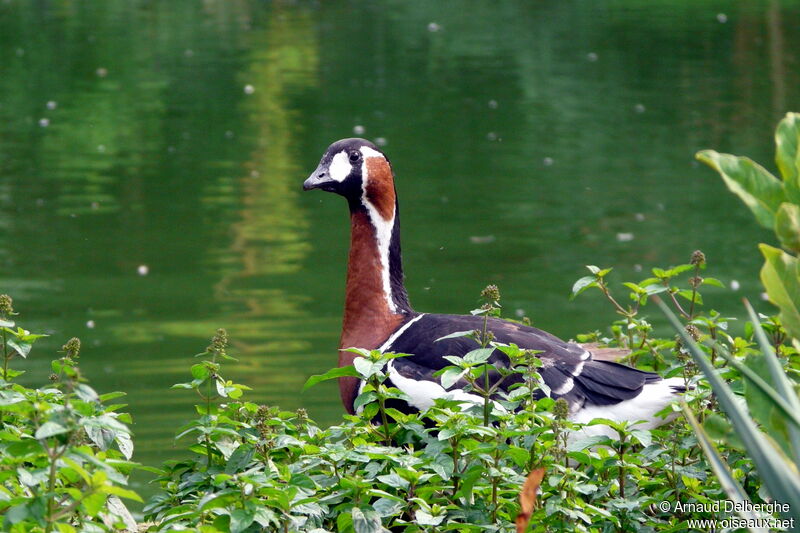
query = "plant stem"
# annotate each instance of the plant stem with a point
(53, 457)
(678, 306)
(694, 290)
(209, 455)
(486, 394)
(495, 505)
(602, 285)
(6, 357)
(621, 454)
(384, 420)
(51, 485)
(454, 445)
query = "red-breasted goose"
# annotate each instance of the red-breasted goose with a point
(377, 313)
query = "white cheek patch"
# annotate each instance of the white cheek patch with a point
(339, 168)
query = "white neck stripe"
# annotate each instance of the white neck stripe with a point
(383, 236)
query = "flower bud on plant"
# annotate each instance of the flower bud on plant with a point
(491, 293)
(72, 348)
(698, 258)
(6, 308)
(561, 409)
(219, 342)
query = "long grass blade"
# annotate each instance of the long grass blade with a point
(781, 383)
(777, 474)
(720, 467)
(792, 413)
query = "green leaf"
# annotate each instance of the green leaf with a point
(4, 323)
(334, 373)
(101, 436)
(111, 396)
(718, 428)
(22, 348)
(125, 444)
(787, 154)
(366, 368)
(456, 335)
(583, 284)
(386, 507)
(780, 278)
(200, 371)
(787, 226)
(450, 376)
(48, 429)
(220, 386)
(94, 503)
(689, 295)
(644, 437)
(758, 189)
(520, 456)
(344, 522)
(366, 521)
(424, 518)
(634, 287)
(589, 442)
(17, 514)
(478, 356)
(122, 492)
(241, 519)
(364, 398)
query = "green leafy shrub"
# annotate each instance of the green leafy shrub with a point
(776, 206)
(64, 453)
(775, 407)
(453, 467)
(768, 424)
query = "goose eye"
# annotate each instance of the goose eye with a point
(355, 156)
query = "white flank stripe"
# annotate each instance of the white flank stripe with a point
(423, 393)
(653, 398)
(388, 344)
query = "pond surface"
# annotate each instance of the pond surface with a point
(152, 156)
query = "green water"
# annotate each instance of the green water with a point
(152, 156)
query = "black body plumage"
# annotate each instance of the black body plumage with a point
(566, 365)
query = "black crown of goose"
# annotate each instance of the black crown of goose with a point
(379, 315)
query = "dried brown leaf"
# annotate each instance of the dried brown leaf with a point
(527, 498)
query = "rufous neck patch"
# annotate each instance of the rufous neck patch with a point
(380, 187)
